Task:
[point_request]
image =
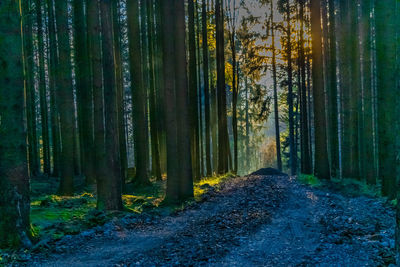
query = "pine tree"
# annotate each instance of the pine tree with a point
(14, 178)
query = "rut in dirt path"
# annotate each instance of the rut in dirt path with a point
(250, 221)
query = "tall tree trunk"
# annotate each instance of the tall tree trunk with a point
(344, 69)
(387, 79)
(321, 169)
(146, 76)
(138, 93)
(223, 141)
(120, 89)
(94, 45)
(14, 178)
(206, 88)
(84, 91)
(42, 90)
(332, 93)
(54, 115)
(275, 85)
(154, 131)
(193, 106)
(306, 164)
(247, 118)
(290, 97)
(182, 104)
(171, 123)
(232, 37)
(109, 187)
(65, 100)
(30, 89)
(368, 158)
(355, 96)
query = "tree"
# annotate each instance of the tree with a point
(65, 100)
(368, 158)
(206, 87)
(96, 71)
(321, 169)
(306, 165)
(30, 89)
(109, 185)
(223, 138)
(53, 62)
(182, 105)
(332, 94)
(171, 124)
(42, 90)
(232, 40)
(84, 90)
(275, 85)
(155, 150)
(387, 80)
(120, 88)
(138, 93)
(193, 96)
(14, 179)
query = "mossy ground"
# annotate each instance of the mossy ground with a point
(54, 216)
(346, 186)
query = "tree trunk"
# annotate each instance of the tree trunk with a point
(171, 124)
(368, 158)
(155, 151)
(42, 90)
(387, 79)
(223, 141)
(138, 93)
(292, 154)
(54, 115)
(30, 89)
(193, 106)
(119, 79)
(14, 178)
(94, 46)
(275, 85)
(321, 169)
(206, 88)
(65, 100)
(306, 164)
(84, 91)
(332, 94)
(109, 187)
(182, 104)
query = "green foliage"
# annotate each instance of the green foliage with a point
(353, 187)
(309, 180)
(346, 186)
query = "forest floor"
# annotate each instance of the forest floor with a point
(256, 220)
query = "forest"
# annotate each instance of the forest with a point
(199, 132)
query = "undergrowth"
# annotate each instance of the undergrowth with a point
(346, 186)
(53, 216)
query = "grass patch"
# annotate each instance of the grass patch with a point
(309, 180)
(204, 185)
(346, 186)
(354, 187)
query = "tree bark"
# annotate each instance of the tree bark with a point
(182, 104)
(321, 169)
(138, 93)
(14, 178)
(65, 99)
(206, 88)
(109, 186)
